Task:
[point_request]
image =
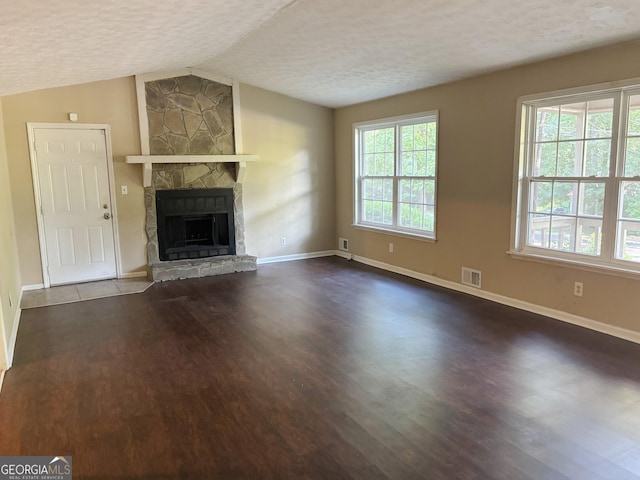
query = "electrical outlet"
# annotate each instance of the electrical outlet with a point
(390, 247)
(578, 289)
(283, 241)
(124, 190)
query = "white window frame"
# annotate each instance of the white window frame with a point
(396, 123)
(606, 262)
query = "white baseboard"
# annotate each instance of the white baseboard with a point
(133, 275)
(11, 346)
(2, 372)
(35, 286)
(4, 351)
(298, 256)
(13, 335)
(612, 330)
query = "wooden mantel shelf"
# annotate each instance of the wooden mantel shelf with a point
(148, 160)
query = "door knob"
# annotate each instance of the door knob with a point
(107, 216)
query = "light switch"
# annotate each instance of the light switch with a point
(124, 190)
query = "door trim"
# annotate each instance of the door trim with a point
(31, 127)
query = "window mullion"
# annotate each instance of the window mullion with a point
(361, 173)
(531, 140)
(359, 200)
(359, 154)
(396, 173)
(528, 173)
(612, 187)
(610, 218)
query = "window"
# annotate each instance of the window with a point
(578, 196)
(396, 163)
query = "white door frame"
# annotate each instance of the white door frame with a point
(31, 127)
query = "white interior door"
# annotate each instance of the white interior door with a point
(75, 200)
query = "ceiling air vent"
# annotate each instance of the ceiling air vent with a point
(470, 277)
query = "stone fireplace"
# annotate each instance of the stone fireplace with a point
(192, 178)
(196, 223)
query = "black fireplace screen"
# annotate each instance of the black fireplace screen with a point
(195, 223)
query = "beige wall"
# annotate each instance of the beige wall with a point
(112, 102)
(9, 268)
(476, 148)
(295, 192)
(288, 193)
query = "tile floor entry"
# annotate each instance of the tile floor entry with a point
(83, 291)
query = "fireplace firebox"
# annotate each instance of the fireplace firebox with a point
(195, 223)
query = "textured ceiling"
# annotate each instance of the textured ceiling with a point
(330, 52)
(66, 42)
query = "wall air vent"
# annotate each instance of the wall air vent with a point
(343, 244)
(470, 277)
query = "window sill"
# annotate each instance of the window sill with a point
(397, 233)
(614, 270)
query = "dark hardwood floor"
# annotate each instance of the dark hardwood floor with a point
(319, 369)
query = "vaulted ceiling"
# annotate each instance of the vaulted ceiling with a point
(329, 52)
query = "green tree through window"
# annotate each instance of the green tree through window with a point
(396, 166)
(581, 164)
